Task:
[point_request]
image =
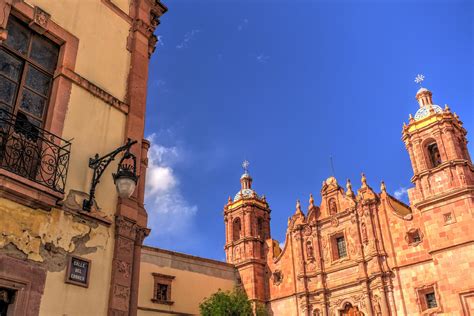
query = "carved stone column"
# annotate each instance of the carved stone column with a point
(141, 233)
(384, 303)
(125, 234)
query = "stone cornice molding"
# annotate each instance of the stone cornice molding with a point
(93, 89)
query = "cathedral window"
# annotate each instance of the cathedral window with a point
(431, 300)
(338, 245)
(433, 154)
(414, 236)
(277, 277)
(428, 299)
(236, 229)
(341, 247)
(162, 288)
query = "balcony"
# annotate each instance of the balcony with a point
(33, 153)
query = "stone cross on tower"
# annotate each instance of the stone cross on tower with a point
(246, 165)
(419, 79)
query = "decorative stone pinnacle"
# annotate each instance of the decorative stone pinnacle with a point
(349, 191)
(382, 187)
(311, 201)
(298, 207)
(363, 180)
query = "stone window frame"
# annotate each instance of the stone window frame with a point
(333, 245)
(13, 186)
(449, 218)
(159, 278)
(235, 236)
(410, 237)
(27, 279)
(430, 141)
(463, 296)
(421, 292)
(277, 277)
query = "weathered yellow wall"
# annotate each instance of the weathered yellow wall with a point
(123, 5)
(94, 127)
(68, 300)
(102, 57)
(195, 280)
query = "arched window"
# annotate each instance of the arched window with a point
(332, 206)
(236, 228)
(433, 154)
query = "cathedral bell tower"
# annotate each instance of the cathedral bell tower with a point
(247, 225)
(443, 173)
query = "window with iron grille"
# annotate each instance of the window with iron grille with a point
(341, 247)
(162, 292)
(162, 288)
(431, 300)
(27, 64)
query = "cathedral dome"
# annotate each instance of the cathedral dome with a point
(424, 111)
(245, 194)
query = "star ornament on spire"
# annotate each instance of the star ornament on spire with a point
(246, 165)
(419, 79)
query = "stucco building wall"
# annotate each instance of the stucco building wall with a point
(194, 279)
(104, 50)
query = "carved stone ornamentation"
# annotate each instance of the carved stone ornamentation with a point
(125, 246)
(123, 268)
(125, 227)
(376, 305)
(309, 249)
(365, 238)
(141, 234)
(334, 221)
(40, 20)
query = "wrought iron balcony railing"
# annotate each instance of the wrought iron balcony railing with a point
(33, 153)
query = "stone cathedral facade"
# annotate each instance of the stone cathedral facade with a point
(362, 251)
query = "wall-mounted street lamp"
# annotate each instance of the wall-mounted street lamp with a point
(125, 178)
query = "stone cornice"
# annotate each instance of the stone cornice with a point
(93, 89)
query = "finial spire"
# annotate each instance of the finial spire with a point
(383, 188)
(349, 191)
(245, 165)
(363, 180)
(298, 207)
(311, 201)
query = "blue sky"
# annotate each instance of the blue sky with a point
(286, 84)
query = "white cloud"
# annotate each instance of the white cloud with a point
(168, 210)
(242, 25)
(187, 38)
(262, 58)
(400, 193)
(160, 40)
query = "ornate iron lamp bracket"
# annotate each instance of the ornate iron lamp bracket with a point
(99, 164)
